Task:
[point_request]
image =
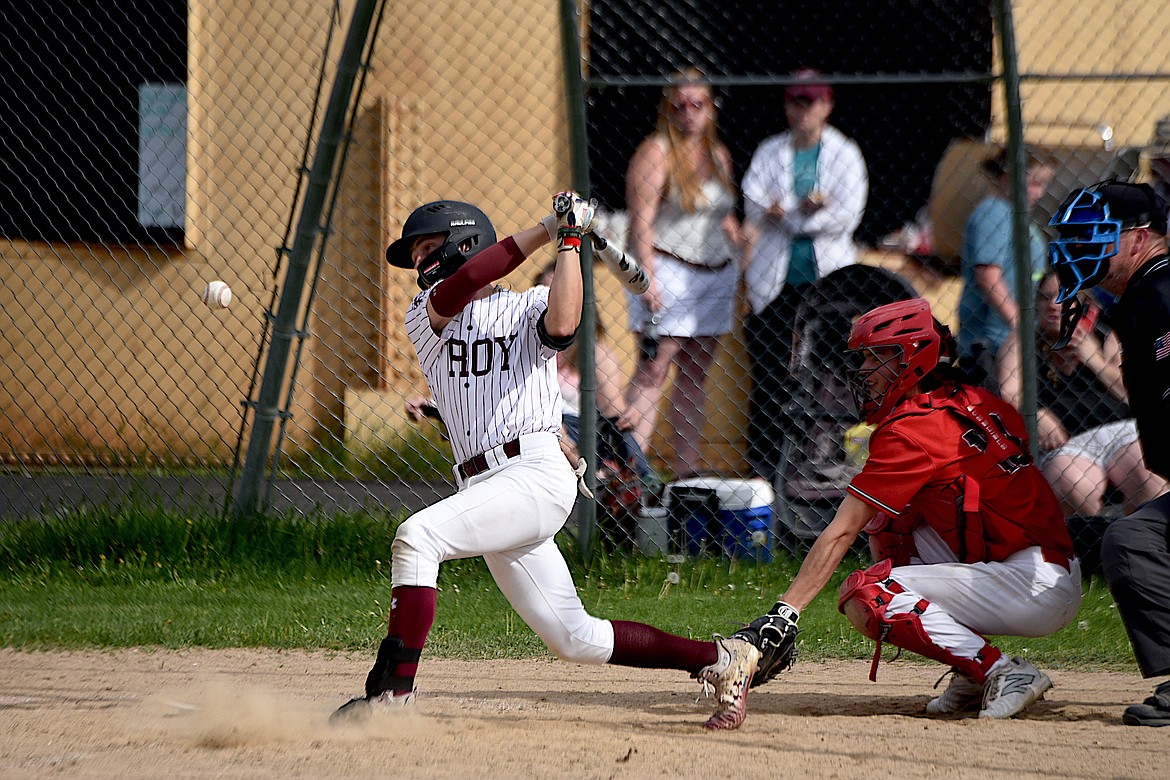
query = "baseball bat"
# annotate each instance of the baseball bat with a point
(626, 268)
(562, 203)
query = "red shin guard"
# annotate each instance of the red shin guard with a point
(864, 598)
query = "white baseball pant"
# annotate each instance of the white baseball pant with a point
(1021, 596)
(509, 515)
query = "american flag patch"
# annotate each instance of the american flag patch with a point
(1162, 347)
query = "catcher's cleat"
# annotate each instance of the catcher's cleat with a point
(962, 695)
(730, 676)
(361, 708)
(1011, 688)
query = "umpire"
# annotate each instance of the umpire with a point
(1113, 234)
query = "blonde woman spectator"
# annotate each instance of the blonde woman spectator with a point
(684, 231)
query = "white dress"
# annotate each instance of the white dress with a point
(698, 295)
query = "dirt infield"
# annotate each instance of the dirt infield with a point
(248, 713)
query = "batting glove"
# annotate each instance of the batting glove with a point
(574, 219)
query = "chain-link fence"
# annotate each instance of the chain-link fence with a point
(157, 146)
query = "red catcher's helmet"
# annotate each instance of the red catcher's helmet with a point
(920, 344)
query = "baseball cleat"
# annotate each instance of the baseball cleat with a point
(360, 709)
(962, 695)
(730, 676)
(1011, 688)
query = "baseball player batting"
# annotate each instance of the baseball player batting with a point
(488, 355)
(969, 538)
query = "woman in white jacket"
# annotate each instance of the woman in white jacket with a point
(804, 195)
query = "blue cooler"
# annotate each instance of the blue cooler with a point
(745, 510)
(732, 514)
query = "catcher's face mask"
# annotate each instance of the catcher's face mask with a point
(872, 376)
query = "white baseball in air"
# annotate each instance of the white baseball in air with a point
(217, 295)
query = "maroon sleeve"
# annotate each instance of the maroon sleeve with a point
(457, 290)
(897, 469)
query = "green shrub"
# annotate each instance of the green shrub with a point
(147, 538)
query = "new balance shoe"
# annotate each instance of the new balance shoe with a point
(962, 695)
(1012, 687)
(730, 676)
(361, 708)
(1154, 711)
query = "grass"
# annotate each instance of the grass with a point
(146, 576)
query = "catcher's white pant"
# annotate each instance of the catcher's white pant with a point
(1021, 596)
(509, 515)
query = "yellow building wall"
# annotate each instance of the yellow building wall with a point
(111, 357)
(106, 356)
(1108, 37)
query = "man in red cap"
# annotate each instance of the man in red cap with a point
(804, 194)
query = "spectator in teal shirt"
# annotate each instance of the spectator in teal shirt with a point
(804, 195)
(988, 311)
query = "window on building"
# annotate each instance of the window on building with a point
(93, 137)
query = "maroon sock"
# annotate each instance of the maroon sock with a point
(637, 644)
(412, 613)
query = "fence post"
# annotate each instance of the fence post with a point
(1021, 218)
(579, 155)
(307, 233)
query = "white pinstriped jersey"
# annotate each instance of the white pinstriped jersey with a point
(490, 376)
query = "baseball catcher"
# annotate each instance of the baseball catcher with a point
(969, 538)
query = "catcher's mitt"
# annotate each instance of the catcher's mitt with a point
(774, 635)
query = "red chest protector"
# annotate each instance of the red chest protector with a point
(973, 514)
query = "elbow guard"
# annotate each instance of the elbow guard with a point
(550, 341)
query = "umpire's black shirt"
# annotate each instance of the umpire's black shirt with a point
(1141, 318)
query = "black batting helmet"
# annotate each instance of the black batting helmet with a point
(461, 223)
